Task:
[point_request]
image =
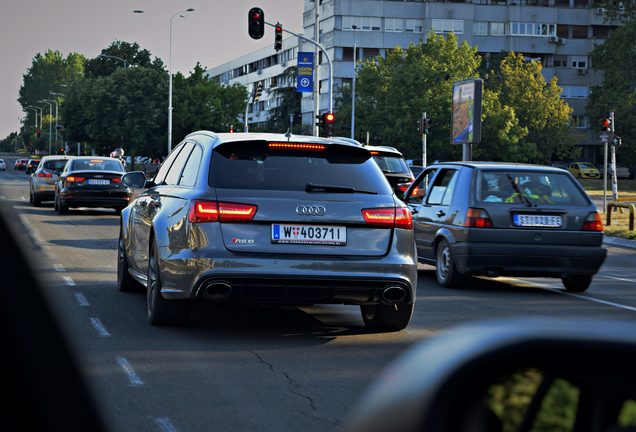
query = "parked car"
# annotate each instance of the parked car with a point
(394, 167)
(583, 170)
(42, 182)
(265, 219)
(20, 164)
(3, 165)
(493, 219)
(622, 172)
(31, 166)
(90, 181)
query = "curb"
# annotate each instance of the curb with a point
(620, 242)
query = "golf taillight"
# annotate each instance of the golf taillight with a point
(211, 211)
(477, 218)
(45, 174)
(73, 179)
(593, 222)
(388, 217)
(403, 186)
(116, 180)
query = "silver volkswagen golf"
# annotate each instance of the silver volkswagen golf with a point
(267, 218)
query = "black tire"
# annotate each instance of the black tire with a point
(576, 283)
(36, 201)
(60, 207)
(446, 271)
(161, 311)
(118, 210)
(125, 282)
(387, 317)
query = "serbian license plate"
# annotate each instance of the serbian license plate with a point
(546, 221)
(98, 182)
(309, 234)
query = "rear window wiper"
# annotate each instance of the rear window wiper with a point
(310, 187)
(515, 186)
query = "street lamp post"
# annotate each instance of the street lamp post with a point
(36, 114)
(170, 78)
(115, 57)
(50, 114)
(56, 114)
(353, 85)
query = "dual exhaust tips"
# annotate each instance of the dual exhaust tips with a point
(219, 290)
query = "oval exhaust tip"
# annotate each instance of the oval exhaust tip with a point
(218, 290)
(394, 294)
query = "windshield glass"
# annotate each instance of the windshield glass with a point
(538, 187)
(55, 165)
(392, 164)
(586, 166)
(252, 165)
(96, 165)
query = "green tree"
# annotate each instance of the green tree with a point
(615, 59)
(130, 52)
(200, 103)
(289, 105)
(539, 108)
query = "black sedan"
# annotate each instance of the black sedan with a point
(91, 182)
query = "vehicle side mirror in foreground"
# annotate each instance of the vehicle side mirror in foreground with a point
(134, 179)
(508, 375)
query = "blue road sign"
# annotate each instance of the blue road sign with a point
(305, 76)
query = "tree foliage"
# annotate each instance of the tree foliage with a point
(615, 59)
(289, 106)
(130, 52)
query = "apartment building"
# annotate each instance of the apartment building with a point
(560, 33)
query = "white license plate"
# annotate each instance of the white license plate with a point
(547, 221)
(309, 234)
(98, 182)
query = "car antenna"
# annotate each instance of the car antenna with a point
(288, 134)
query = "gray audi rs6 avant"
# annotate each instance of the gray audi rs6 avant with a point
(268, 219)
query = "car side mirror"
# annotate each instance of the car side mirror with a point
(134, 179)
(509, 375)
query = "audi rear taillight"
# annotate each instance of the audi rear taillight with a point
(73, 179)
(388, 217)
(593, 222)
(210, 211)
(477, 218)
(403, 186)
(116, 180)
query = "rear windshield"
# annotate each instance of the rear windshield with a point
(392, 164)
(252, 165)
(96, 165)
(586, 166)
(55, 165)
(539, 188)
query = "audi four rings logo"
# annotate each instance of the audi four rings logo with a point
(311, 210)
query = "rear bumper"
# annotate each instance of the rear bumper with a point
(103, 198)
(527, 260)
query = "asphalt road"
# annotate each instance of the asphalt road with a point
(254, 369)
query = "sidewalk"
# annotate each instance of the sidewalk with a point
(620, 242)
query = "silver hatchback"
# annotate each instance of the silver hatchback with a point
(265, 218)
(42, 181)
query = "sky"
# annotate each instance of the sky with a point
(213, 34)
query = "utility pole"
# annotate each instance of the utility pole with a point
(317, 68)
(613, 160)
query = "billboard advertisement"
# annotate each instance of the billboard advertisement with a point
(466, 112)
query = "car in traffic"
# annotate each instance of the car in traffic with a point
(504, 219)
(31, 166)
(3, 165)
(416, 170)
(268, 218)
(622, 171)
(91, 181)
(42, 182)
(393, 166)
(20, 164)
(584, 170)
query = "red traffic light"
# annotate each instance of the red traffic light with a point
(279, 29)
(256, 16)
(606, 122)
(330, 117)
(256, 23)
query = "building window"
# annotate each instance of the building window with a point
(575, 92)
(579, 32)
(448, 26)
(394, 25)
(559, 61)
(480, 28)
(361, 23)
(579, 122)
(563, 31)
(417, 26)
(497, 29)
(578, 62)
(532, 29)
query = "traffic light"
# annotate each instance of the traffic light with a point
(38, 132)
(606, 125)
(328, 119)
(278, 37)
(424, 125)
(232, 129)
(617, 141)
(258, 91)
(256, 23)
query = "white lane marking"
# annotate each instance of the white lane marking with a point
(32, 231)
(24, 198)
(593, 299)
(59, 267)
(69, 281)
(99, 327)
(620, 279)
(165, 425)
(133, 378)
(2, 197)
(81, 299)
